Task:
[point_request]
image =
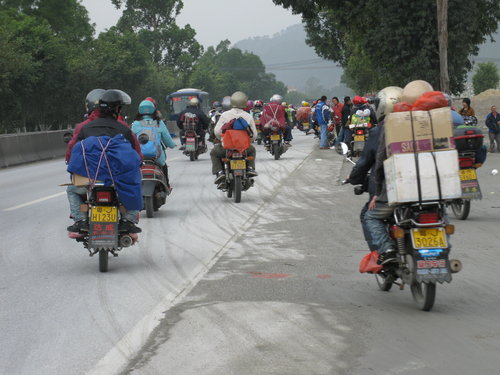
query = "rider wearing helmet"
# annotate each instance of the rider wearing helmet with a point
(202, 123)
(385, 101)
(146, 117)
(107, 124)
(238, 102)
(275, 112)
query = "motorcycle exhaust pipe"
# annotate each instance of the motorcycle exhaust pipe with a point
(126, 241)
(455, 265)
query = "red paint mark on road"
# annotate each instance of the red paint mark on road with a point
(261, 275)
(324, 276)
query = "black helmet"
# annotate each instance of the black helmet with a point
(112, 101)
(92, 99)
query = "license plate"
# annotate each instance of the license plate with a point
(429, 238)
(275, 137)
(306, 124)
(238, 164)
(359, 138)
(468, 174)
(104, 214)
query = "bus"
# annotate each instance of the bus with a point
(178, 101)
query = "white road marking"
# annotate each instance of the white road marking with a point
(35, 201)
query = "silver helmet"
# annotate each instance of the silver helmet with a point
(386, 98)
(276, 98)
(239, 100)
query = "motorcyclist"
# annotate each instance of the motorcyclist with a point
(214, 115)
(304, 113)
(362, 174)
(238, 103)
(202, 121)
(273, 113)
(147, 116)
(378, 209)
(360, 104)
(107, 124)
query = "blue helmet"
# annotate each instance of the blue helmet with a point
(147, 108)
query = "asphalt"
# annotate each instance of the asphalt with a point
(287, 297)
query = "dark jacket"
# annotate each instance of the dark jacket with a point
(491, 123)
(202, 117)
(366, 162)
(378, 170)
(346, 112)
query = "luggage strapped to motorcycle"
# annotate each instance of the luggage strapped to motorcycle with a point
(103, 155)
(417, 166)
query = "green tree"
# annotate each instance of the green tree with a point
(400, 38)
(486, 77)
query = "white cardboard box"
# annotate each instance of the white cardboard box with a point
(401, 176)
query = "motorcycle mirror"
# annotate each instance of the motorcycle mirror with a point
(143, 139)
(67, 137)
(341, 148)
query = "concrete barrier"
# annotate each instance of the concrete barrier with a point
(23, 148)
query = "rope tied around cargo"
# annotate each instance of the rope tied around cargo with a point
(103, 155)
(435, 161)
(415, 155)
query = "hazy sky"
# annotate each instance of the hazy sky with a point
(213, 20)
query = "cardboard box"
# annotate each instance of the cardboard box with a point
(419, 131)
(402, 181)
(78, 180)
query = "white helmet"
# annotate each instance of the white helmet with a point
(194, 102)
(276, 98)
(239, 100)
(386, 98)
(415, 89)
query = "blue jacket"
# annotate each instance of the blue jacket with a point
(164, 134)
(322, 113)
(491, 123)
(124, 163)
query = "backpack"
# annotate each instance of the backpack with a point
(236, 124)
(190, 121)
(152, 148)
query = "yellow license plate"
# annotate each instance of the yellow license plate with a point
(306, 124)
(238, 164)
(468, 174)
(359, 138)
(275, 137)
(429, 238)
(104, 214)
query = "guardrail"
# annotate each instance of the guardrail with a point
(23, 148)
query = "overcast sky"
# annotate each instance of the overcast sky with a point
(213, 20)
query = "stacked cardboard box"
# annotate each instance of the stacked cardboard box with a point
(422, 163)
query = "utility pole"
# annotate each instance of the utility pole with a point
(442, 27)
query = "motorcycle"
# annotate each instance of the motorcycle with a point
(421, 233)
(468, 140)
(275, 144)
(154, 186)
(304, 126)
(360, 136)
(258, 126)
(193, 143)
(235, 166)
(104, 236)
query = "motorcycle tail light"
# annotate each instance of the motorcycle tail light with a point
(274, 128)
(469, 132)
(237, 155)
(466, 163)
(449, 229)
(398, 232)
(428, 217)
(103, 197)
(359, 132)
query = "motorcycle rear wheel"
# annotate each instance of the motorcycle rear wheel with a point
(229, 190)
(103, 260)
(276, 151)
(148, 203)
(424, 294)
(237, 189)
(461, 208)
(192, 155)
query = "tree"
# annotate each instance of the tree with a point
(400, 38)
(154, 22)
(486, 77)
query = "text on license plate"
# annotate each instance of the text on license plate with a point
(468, 174)
(275, 137)
(306, 124)
(359, 138)
(238, 164)
(429, 238)
(104, 214)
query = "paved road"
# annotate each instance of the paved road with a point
(282, 294)
(286, 298)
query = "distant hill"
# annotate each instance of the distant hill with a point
(287, 55)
